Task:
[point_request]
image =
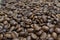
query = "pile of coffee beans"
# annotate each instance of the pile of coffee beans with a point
(30, 20)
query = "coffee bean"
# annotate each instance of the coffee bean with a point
(36, 27)
(39, 32)
(58, 37)
(29, 20)
(43, 36)
(13, 22)
(8, 35)
(49, 35)
(29, 38)
(13, 35)
(54, 35)
(24, 38)
(58, 4)
(1, 36)
(12, 28)
(50, 38)
(45, 28)
(15, 39)
(34, 36)
(51, 30)
(30, 29)
(5, 22)
(1, 18)
(57, 30)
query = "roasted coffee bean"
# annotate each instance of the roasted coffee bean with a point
(29, 38)
(58, 38)
(13, 35)
(50, 25)
(39, 32)
(8, 35)
(50, 38)
(1, 18)
(15, 39)
(45, 28)
(5, 22)
(34, 36)
(1, 27)
(30, 29)
(57, 30)
(7, 26)
(10, 1)
(43, 36)
(1, 36)
(29, 20)
(54, 35)
(58, 4)
(51, 30)
(13, 22)
(19, 29)
(24, 38)
(36, 27)
(12, 28)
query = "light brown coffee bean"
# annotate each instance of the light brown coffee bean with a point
(16, 39)
(36, 27)
(34, 36)
(39, 32)
(54, 35)
(1, 36)
(8, 35)
(43, 36)
(28, 37)
(45, 28)
(30, 29)
(57, 30)
(24, 38)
